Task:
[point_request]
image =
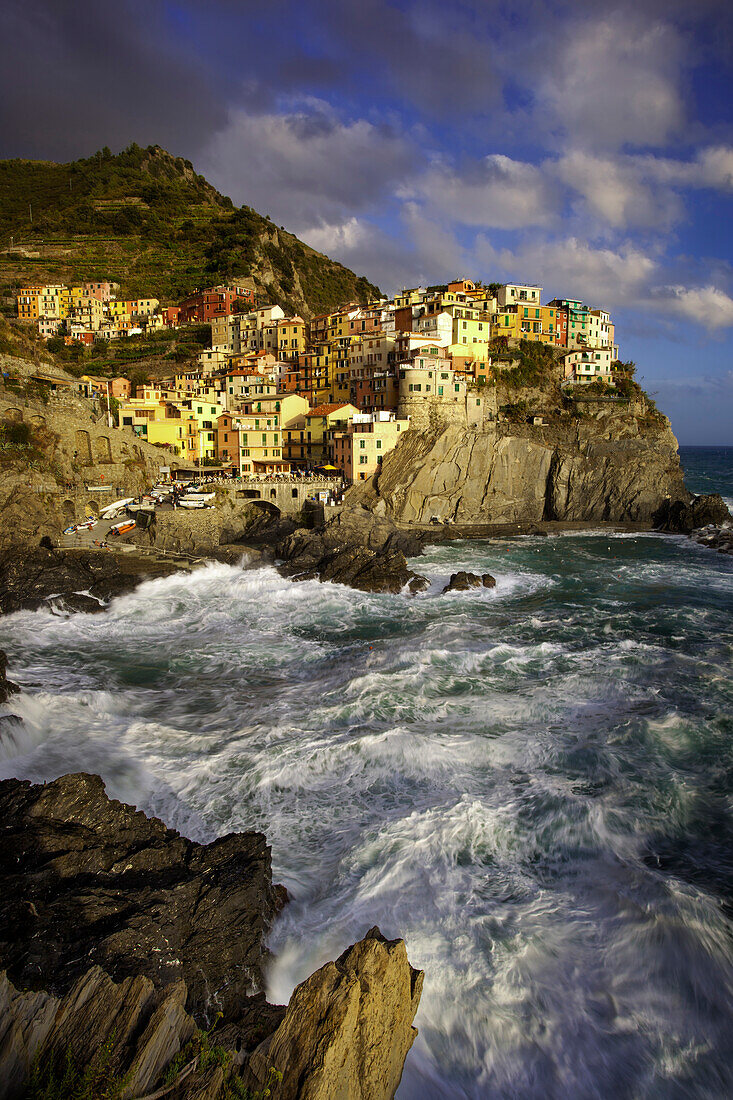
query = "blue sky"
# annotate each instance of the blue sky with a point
(584, 146)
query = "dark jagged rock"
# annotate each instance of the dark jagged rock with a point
(717, 538)
(7, 687)
(462, 582)
(680, 517)
(88, 880)
(488, 581)
(419, 584)
(355, 548)
(29, 576)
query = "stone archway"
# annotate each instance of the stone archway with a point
(16, 415)
(83, 448)
(92, 508)
(103, 449)
(38, 421)
(68, 511)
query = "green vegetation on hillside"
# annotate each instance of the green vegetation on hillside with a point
(146, 220)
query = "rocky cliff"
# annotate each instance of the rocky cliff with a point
(608, 465)
(120, 940)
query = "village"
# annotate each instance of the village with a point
(277, 395)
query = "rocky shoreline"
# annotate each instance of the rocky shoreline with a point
(355, 548)
(118, 935)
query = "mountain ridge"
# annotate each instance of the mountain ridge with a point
(147, 220)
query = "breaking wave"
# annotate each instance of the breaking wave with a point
(531, 784)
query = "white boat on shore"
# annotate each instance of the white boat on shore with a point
(111, 511)
(197, 500)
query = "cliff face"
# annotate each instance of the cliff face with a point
(608, 465)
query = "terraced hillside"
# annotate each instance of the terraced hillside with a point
(145, 219)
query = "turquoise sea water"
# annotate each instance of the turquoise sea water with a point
(531, 784)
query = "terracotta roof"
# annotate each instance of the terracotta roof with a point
(324, 410)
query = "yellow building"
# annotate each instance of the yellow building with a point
(359, 450)
(177, 433)
(537, 323)
(27, 302)
(290, 338)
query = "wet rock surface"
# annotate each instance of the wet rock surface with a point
(119, 939)
(717, 538)
(347, 1029)
(88, 880)
(356, 548)
(681, 517)
(7, 687)
(75, 579)
(464, 582)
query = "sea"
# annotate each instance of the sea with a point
(531, 784)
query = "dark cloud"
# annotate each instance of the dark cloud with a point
(77, 76)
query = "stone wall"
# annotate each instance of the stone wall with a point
(476, 408)
(84, 451)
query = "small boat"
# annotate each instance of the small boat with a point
(197, 500)
(122, 528)
(87, 524)
(116, 508)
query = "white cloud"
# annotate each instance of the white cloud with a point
(574, 268)
(306, 168)
(707, 306)
(615, 81)
(612, 278)
(495, 191)
(618, 190)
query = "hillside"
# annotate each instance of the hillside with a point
(145, 219)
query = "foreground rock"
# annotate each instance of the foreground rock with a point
(346, 1032)
(348, 1028)
(88, 880)
(118, 938)
(128, 1030)
(75, 579)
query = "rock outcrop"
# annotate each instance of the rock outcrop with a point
(356, 548)
(119, 938)
(683, 517)
(76, 579)
(7, 687)
(716, 538)
(464, 582)
(88, 880)
(128, 1031)
(609, 465)
(348, 1028)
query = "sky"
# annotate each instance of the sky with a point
(584, 146)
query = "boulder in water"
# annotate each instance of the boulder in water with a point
(463, 582)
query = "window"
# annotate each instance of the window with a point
(440, 391)
(458, 387)
(362, 444)
(379, 444)
(363, 459)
